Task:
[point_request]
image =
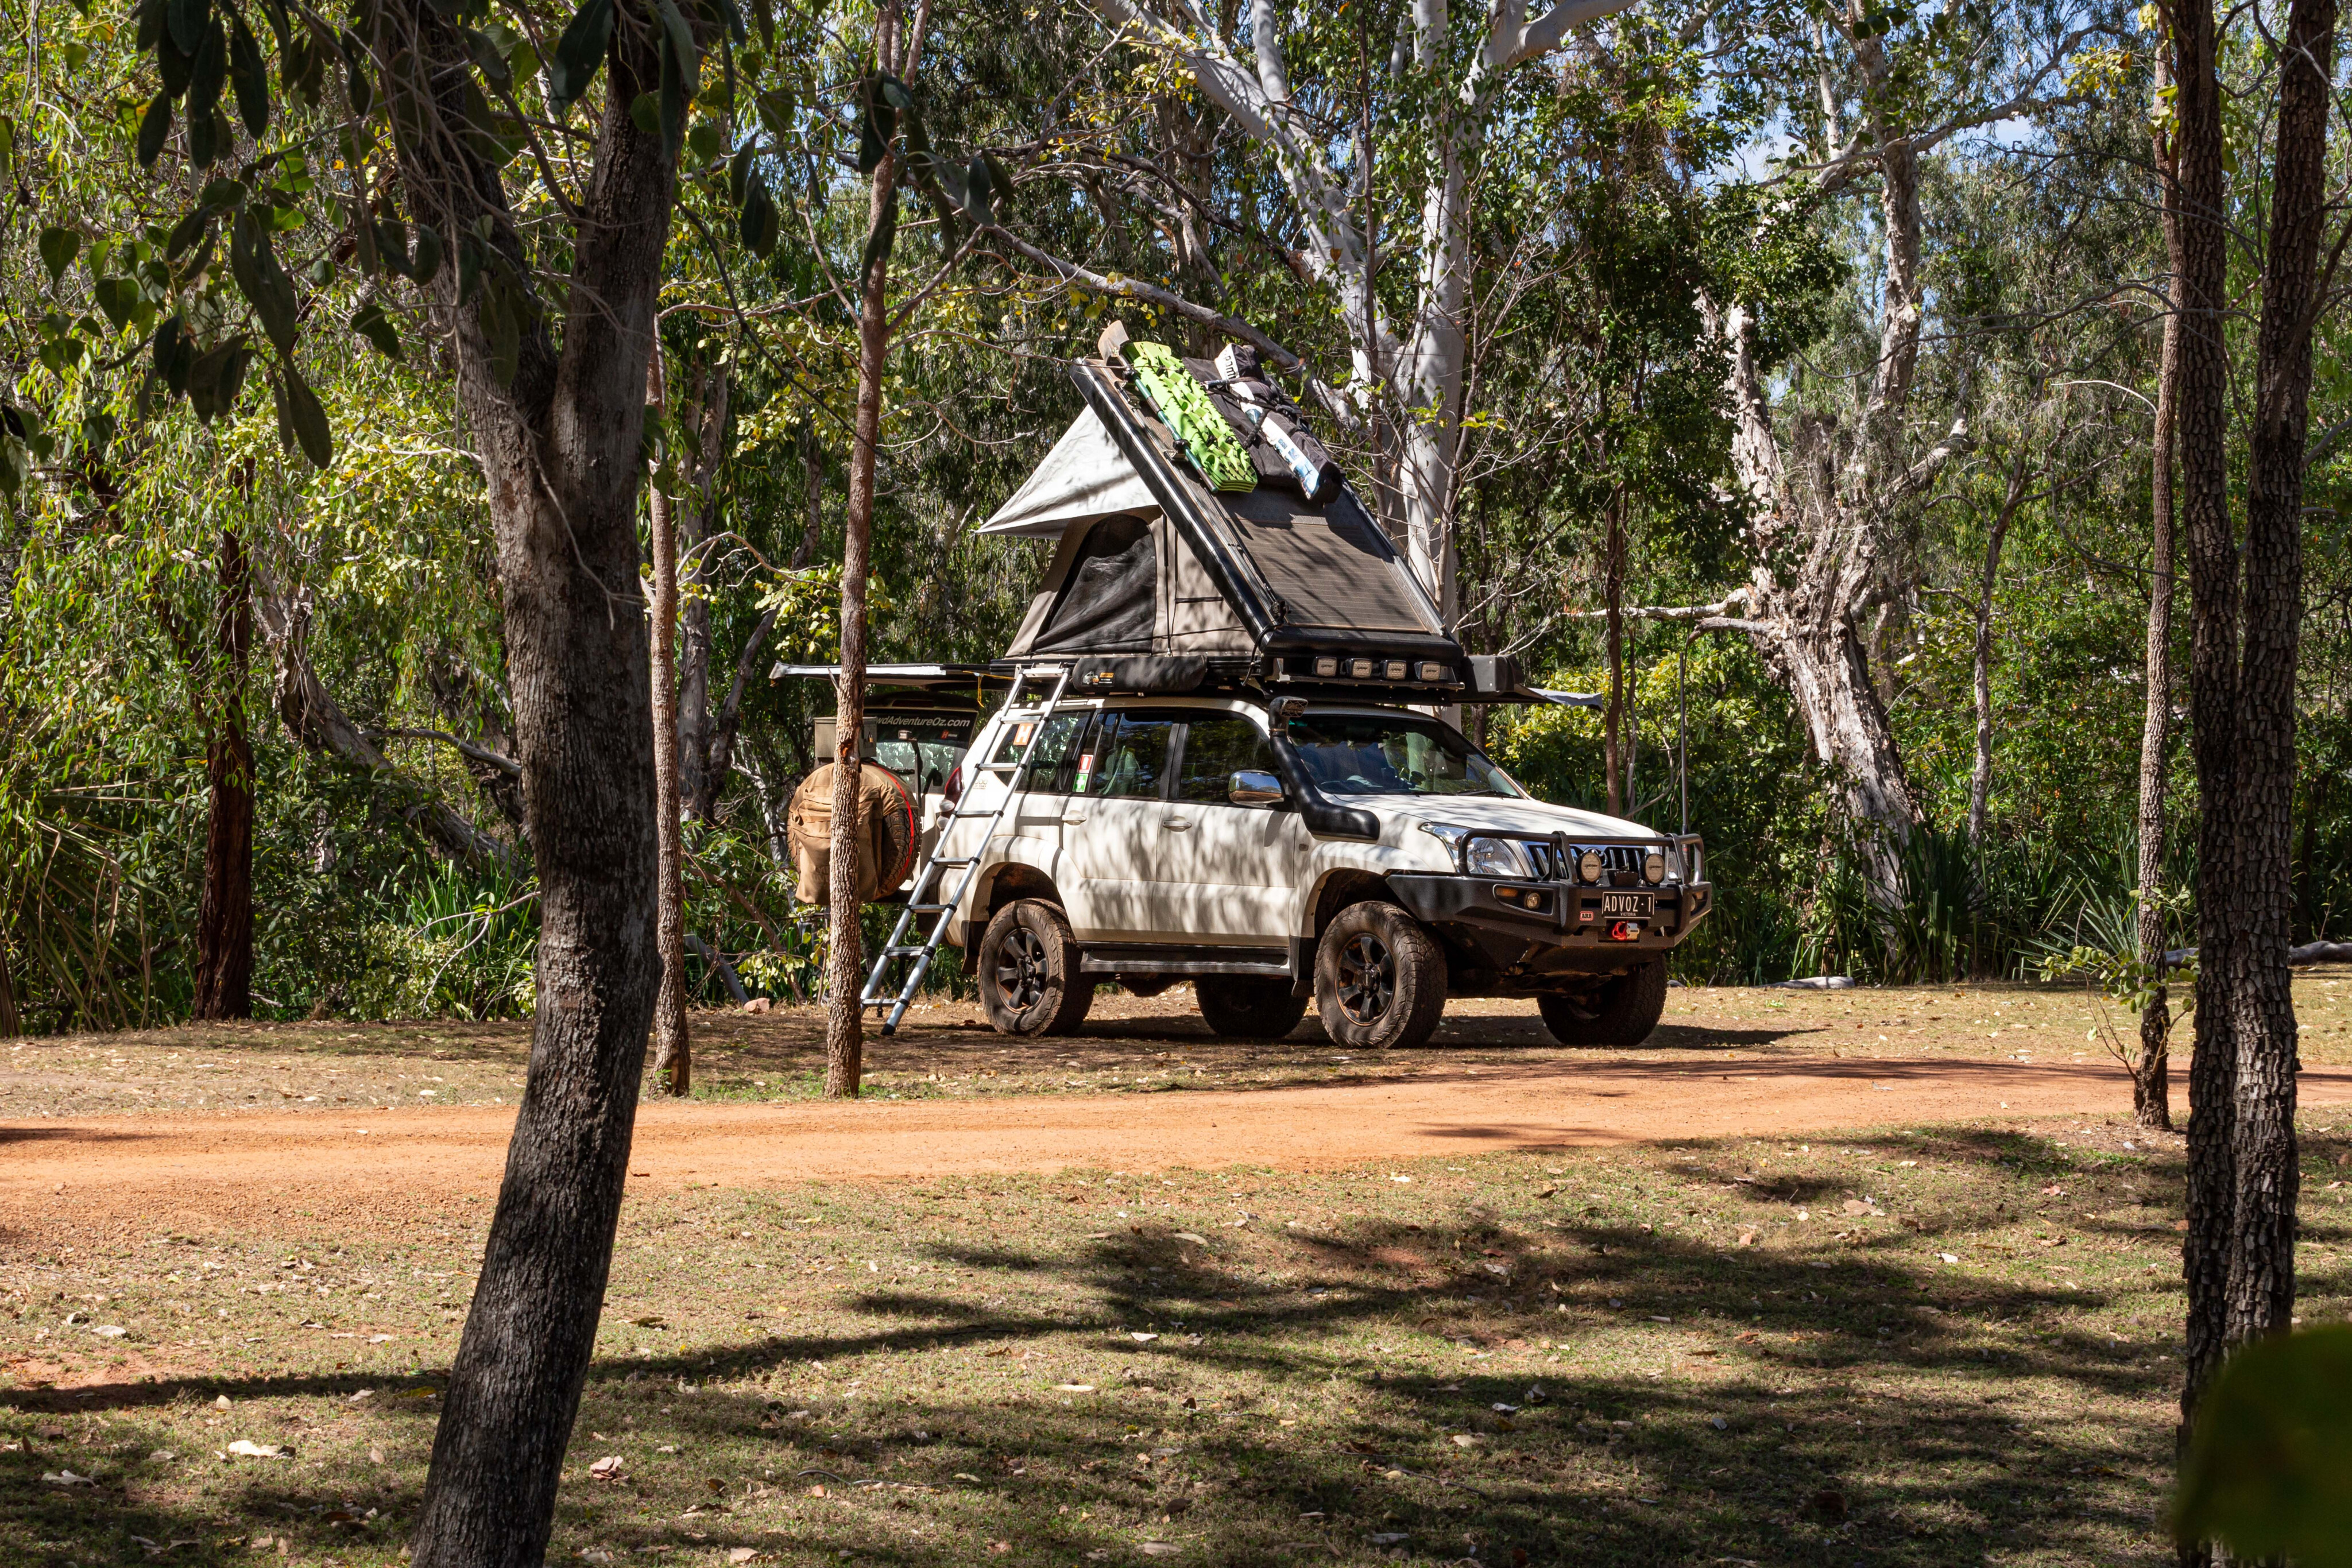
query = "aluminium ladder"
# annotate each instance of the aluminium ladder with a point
(926, 884)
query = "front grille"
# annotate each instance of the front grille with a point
(1555, 861)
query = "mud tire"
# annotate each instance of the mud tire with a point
(1379, 978)
(1029, 980)
(1620, 1013)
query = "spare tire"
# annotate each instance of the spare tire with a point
(886, 840)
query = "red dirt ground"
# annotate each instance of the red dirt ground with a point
(153, 1174)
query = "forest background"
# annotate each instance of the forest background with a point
(285, 583)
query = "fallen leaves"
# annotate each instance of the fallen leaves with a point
(608, 1468)
(244, 1447)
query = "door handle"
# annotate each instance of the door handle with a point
(1074, 821)
(1179, 824)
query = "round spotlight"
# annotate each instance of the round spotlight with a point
(1654, 867)
(1588, 867)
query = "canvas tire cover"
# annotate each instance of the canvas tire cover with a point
(886, 850)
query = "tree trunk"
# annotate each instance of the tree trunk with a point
(2152, 1073)
(2262, 805)
(845, 1031)
(2203, 433)
(1981, 667)
(557, 444)
(1613, 589)
(673, 1051)
(2240, 1254)
(2014, 497)
(703, 739)
(225, 916)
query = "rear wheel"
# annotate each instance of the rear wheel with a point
(1029, 980)
(1247, 1008)
(1380, 980)
(1622, 1012)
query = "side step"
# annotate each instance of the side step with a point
(1269, 963)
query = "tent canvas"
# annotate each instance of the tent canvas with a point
(1151, 560)
(1083, 479)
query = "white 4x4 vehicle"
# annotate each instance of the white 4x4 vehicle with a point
(1361, 855)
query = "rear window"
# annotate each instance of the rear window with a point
(1053, 738)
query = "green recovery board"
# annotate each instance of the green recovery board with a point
(1180, 398)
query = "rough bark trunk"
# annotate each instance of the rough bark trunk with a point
(2203, 433)
(703, 740)
(224, 915)
(673, 1050)
(2239, 1254)
(845, 1031)
(2262, 1271)
(557, 444)
(2152, 1072)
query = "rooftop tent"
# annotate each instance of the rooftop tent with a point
(1151, 559)
(1083, 478)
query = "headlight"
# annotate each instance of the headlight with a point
(1654, 867)
(1588, 867)
(1494, 857)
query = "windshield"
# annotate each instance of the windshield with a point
(1392, 754)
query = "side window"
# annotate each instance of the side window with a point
(1129, 757)
(1053, 738)
(1217, 747)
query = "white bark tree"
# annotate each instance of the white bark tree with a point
(1831, 487)
(1408, 368)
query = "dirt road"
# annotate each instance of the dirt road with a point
(164, 1172)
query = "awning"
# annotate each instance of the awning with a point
(1084, 477)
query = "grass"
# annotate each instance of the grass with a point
(1131, 1045)
(1929, 1345)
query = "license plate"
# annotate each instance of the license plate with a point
(1626, 906)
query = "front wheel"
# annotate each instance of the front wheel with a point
(1622, 1012)
(1243, 1007)
(1029, 980)
(1380, 980)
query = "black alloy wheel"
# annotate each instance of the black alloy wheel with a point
(1021, 972)
(1366, 978)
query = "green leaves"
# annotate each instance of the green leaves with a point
(301, 422)
(427, 264)
(2270, 1463)
(118, 297)
(249, 75)
(681, 74)
(579, 54)
(174, 352)
(59, 248)
(370, 322)
(760, 221)
(216, 377)
(355, 79)
(155, 126)
(188, 22)
(267, 287)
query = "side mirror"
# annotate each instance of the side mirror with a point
(1251, 787)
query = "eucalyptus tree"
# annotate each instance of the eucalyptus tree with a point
(1871, 92)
